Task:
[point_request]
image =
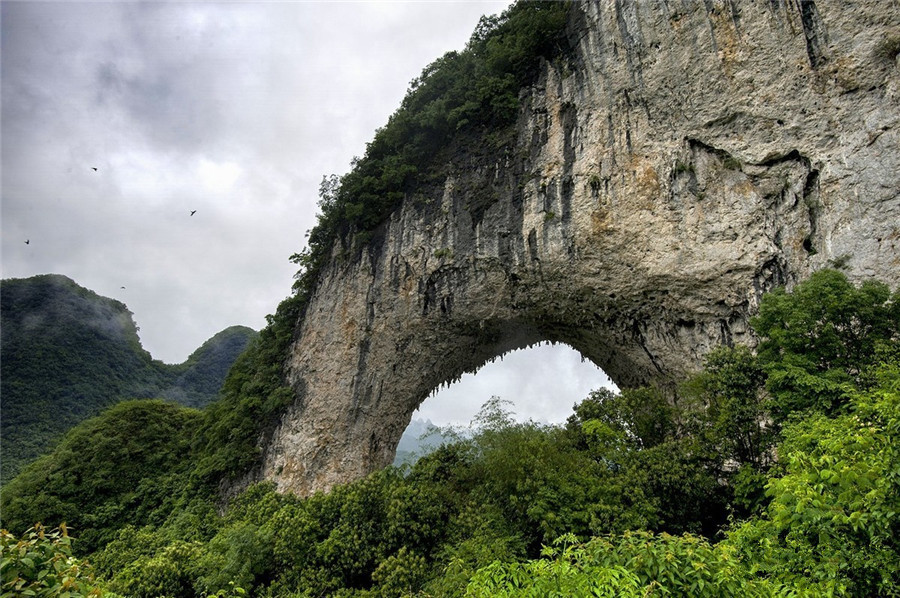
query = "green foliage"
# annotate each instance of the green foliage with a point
(834, 516)
(501, 494)
(537, 482)
(748, 486)
(634, 564)
(639, 417)
(169, 572)
(106, 473)
(400, 574)
(731, 163)
(683, 167)
(674, 487)
(40, 564)
(818, 339)
(67, 354)
(732, 409)
(723, 409)
(129, 545)
(240, 554)
(568, 571)
(656, 478)
(462, 558)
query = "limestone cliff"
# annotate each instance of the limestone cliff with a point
(691, 156)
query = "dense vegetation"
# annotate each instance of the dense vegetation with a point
(770, 473)
(773, 474)
(68, 353)
(107, 472)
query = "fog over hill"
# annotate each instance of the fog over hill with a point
(67, 353)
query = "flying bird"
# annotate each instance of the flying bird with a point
(193, 212)
(27, 241)
(94, 168)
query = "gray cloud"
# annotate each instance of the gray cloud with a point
(233, 109)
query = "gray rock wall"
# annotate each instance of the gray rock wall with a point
(692, 156)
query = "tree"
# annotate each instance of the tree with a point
(817, 340)
(639, 417)
(833, 520)
(658, 477)
(731, 395)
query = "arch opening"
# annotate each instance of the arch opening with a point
(542, 382)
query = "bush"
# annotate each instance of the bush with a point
(169, 572)
(629, 565)
(105, 473)
(40, 564)
(833, 520)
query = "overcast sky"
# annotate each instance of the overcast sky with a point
(121, 118)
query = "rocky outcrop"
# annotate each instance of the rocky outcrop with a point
(691, 156)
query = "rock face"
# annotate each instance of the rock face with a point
(690, 157)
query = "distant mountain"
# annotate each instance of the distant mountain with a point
(421, 438)
(197, 381)
(67, 353)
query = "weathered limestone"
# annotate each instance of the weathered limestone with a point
(692, 156)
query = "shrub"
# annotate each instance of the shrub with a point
(40, 564)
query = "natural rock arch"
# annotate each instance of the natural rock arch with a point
(689, 159)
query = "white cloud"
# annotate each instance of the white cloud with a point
(218, 177)
(543, 383)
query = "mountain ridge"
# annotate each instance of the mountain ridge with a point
(68, 353)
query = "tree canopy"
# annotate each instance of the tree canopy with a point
(635, 496)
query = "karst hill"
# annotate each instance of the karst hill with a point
(703, 198)
(659, 166)
(68, 353)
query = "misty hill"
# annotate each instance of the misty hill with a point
(68, 353)
(197, 381)
(421, 438)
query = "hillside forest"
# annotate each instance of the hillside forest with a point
(773, 471)
(68, 353)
